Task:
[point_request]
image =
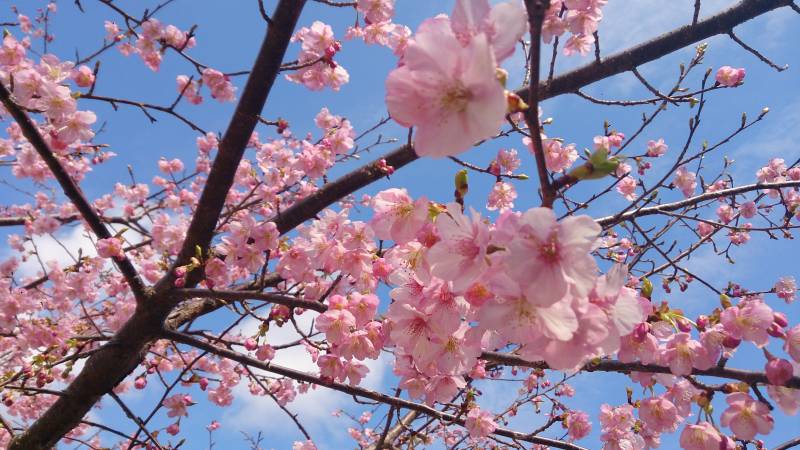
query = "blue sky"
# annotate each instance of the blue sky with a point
(228, 37)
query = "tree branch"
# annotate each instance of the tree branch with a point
(119, 357)
(566, 83)
(657, 47)
(308, 207)
(789, 444)
(71, 189)
(280, 299)
(536, 10)
(668, 207)
(234, 141)
(607, 365)
(352, 390)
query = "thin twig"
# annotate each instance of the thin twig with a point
(758, 54)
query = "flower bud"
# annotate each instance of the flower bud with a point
(647, 288)
(684, 325)
(776, 331)
(640, 332)
(731, 342)
(780, 319)
(702, 322)
(779, 371)
(174, 429)
(725, 301)
(514, 103)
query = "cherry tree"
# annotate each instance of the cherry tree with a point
(176, 285)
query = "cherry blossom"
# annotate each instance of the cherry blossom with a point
(553, 251)
(746, 417)
(730, 77)
(452, 101)
(480, 424)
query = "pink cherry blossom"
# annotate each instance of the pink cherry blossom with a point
(683, 353)
(792, 343)
(746, 417)
(656, 148)
(460, 256)
(578, 425)
(397, 216)
(501, 197)
(376, 11)
(702, 436)
(83, 76)
(578, 43)
(558, 157)
(748, 210)
(749, 321)
(305, 445)
(685, 181)
(551, 258)
(730, 77)
(503, 24)
(479, 423)
(221, 88)
(177, 405)
(508, 160)
(449, 92)
(659, 414)
(786, 288)
(336, 324)
(627, 187)
(788, 399)
(779, 371)
(704, 228)
(110, 248)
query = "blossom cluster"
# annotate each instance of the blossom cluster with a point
(579, 17)
(315, 68)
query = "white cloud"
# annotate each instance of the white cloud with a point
(63, 246)
(58, 248)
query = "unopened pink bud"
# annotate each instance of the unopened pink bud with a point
(775, 330)
(780, 319)
(731, 342)
(641, 331)
(779, 371)
(174, 429)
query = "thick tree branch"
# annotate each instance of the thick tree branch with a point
(566, 83)
(71, 189)
(120, 356)
(279, 299)
(234, 141)
(657, 47)
(334, 191)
